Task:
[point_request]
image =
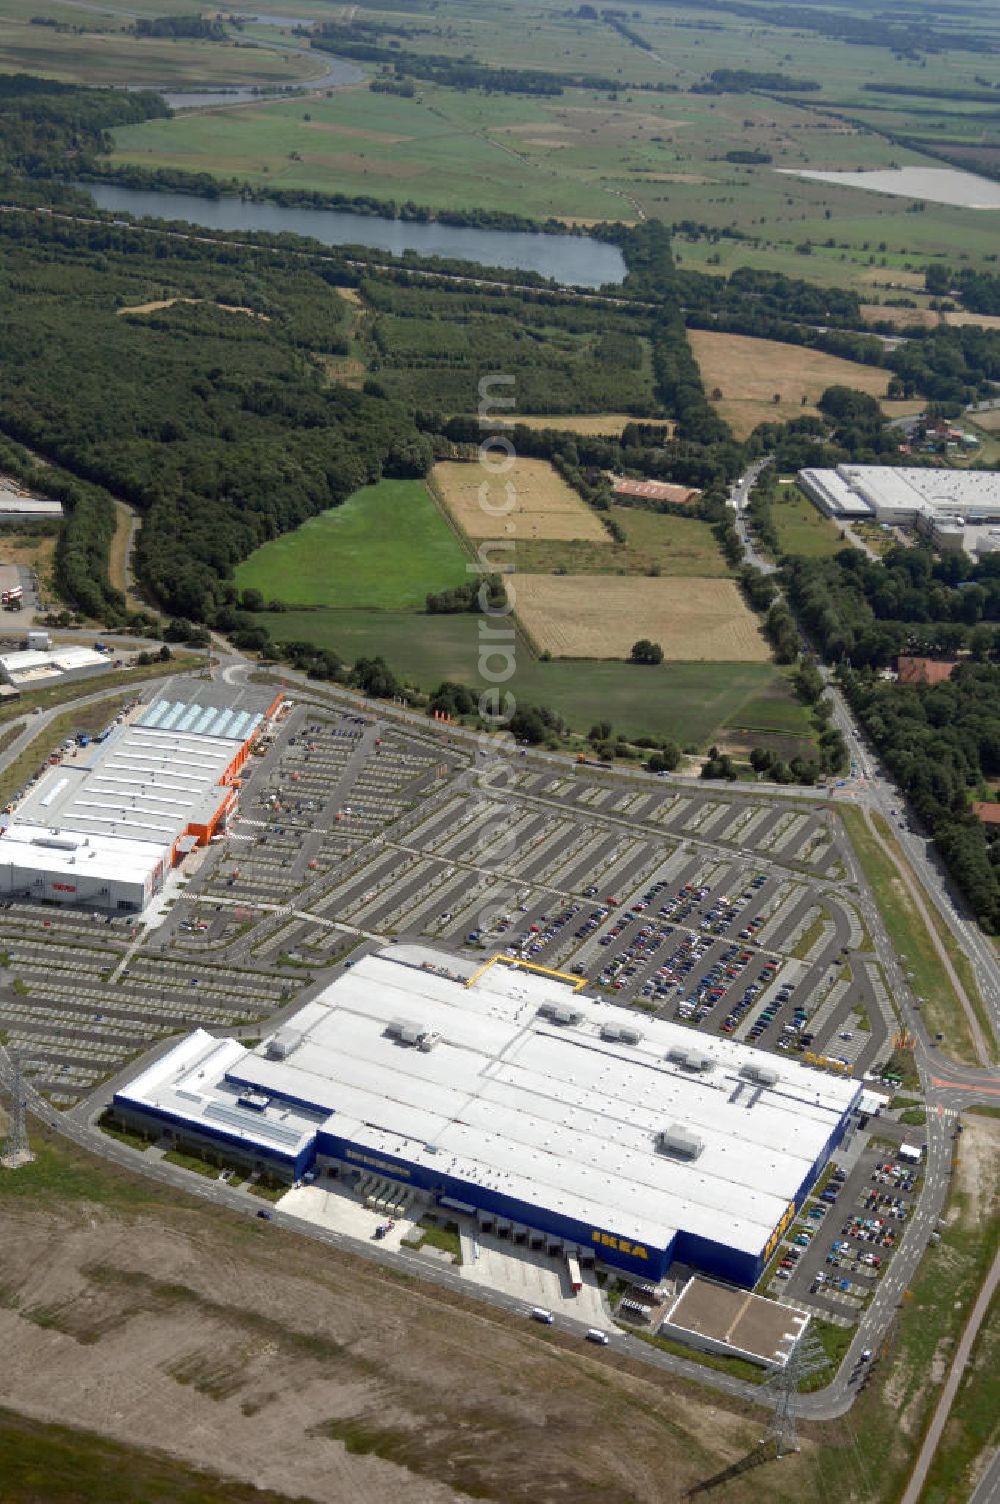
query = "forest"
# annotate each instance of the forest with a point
(941, 744)
(219, 427)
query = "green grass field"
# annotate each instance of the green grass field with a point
(385, 548)
(802, 528)
(686, 701)
(908, 933)
(654, 541)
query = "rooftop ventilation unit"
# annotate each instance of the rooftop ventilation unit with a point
(255, 1101)
(408, 1032)
(690, 1059)
(281, 1045)
(760, 1075)
(559, 1013)
(621, 1033)
(678, 1142)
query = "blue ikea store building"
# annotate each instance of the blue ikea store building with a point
(548, 1117)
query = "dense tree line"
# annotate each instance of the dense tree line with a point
(941, 744)
(978, 290)
(950, 365)
(463, 73)
(864, 613)
(743, 81)
(220, 428)
(43, 123)
(195, 27)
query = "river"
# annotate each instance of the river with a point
(570, 260)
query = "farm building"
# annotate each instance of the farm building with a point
(511, 1097)
(912, 670)
(654, 490)
(104, 825)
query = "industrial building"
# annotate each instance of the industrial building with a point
(553, 1118)
(106, 824)
(953, 509)
(17, 505)
(32, 668)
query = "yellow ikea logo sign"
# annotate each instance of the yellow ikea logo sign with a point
(621, 1245)
(776, 1235)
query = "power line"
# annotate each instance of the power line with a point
(806, 1358)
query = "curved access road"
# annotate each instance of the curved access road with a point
(918, 1477)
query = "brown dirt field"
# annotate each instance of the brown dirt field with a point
(875, 313)
(609, 424)
(351, 295)
(38, 553)
(903, 407)
(159, 303)
(978, 1170)
(990, 420)
(750, 371)
(259, 1354)
(980, 320)
(693, 620)
(543, 506)
(878, 277)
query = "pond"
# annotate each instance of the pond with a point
(570, 260)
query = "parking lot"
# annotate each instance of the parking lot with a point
(726, 911)
(842, 1242)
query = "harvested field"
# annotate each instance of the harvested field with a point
(751, 372)
(990, 420)
(543, 506)
(691, 619)
(605, 424)
(980, 320)
(877, 313)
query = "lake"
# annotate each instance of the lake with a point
(570, 260)
(938, 185)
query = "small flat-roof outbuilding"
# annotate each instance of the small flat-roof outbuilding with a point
(717, 1318)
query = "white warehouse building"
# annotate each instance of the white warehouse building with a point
(514, 1098)
(953, 508)
(105, 826)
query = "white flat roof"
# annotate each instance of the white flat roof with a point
(29, 506)
(551, 1114)
(836, 493)
(86, 856)
(189, 1082)
(141, 784)
(908, 490)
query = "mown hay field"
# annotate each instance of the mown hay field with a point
(539, 503)
(691, 619)
(605, 425)
(750, 373)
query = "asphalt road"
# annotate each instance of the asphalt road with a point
(958, 1365)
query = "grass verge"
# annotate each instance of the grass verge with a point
(911, 940)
